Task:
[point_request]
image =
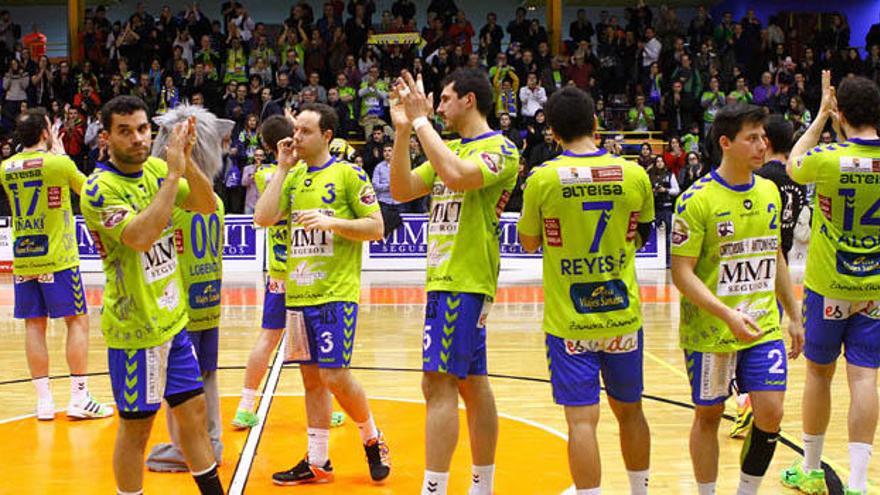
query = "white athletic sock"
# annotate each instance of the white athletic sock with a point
(706, 488)
(248, 397)
(42, 386)
(435, 483)
(79, 388)
(638, 482)
(368, 429)
(813, 452)
(482, 479)
(859, 457)
(748, 484)
(319, 446)
(589, 491)
(120, 492)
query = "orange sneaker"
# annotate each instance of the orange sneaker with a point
(304, 473)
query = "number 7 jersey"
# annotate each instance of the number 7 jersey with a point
(844, 256)
(586, 209)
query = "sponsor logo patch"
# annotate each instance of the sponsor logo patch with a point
(620, 344)
(681, 231)
(53, 196)
(492, 161)
(112, 218)
(599, 297)
(724, 229)
(553, 232)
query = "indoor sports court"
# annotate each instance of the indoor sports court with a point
(64, 456)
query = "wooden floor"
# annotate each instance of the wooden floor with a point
(64, 456)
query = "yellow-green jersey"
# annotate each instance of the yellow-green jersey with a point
(277, 235)
(323, 267)
(463, 226)
(733, 231)
(142, 304)
(843, 261)
(199, 241)
(587, 209)
(38, 186)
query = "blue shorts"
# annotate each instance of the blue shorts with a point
(141, 378)
(55, 295)
(206, 344)
(330, 328)
(830, 323)
(274, 312)
(575, 366)
(455, 333)
(713, 376)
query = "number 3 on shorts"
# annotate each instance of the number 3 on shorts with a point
(777, 366)
(327, 342)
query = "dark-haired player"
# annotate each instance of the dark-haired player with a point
(588, 210)
(469, 180)
(727, 262)
(842, 279)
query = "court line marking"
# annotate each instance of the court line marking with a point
(248, 453)
(785, 436)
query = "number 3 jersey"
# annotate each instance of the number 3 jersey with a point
(586, 209)
(198, 240)
(733, 231)
(844, 256)
(323, 267)
(142, 295)
(463, 228)
(38, 187)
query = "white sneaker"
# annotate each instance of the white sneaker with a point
(45, 410)
(88, 408)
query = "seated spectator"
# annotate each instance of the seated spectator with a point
(742, 94)
(314, 84)
(505, 96)
(646, 156)
(509, 131)
(268, 105)
(373, 148)
(554, 77)
(798, 114)
(678, 108)
(692, 171)
(674, 156)
(535, 130)
(544, 151)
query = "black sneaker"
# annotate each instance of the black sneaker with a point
(304, 473)
(378, 457)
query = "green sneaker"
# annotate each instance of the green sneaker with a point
(812, 483)
(853, 492)
(337, 419)
(244, 419)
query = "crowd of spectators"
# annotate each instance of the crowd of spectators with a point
(647, 71)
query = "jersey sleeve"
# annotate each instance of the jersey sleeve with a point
(105, 210)
(530, 219)
(688, 227)
(361, 196)
(646, 214)
(806, 167)
(493, 162)
(75, 178)
(426, 172)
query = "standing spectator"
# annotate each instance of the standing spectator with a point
(186, 44)
(518, 28)
(641, 116)
(651, 50)
(328, 23)
(674, 156)
(535, 130)
(766, 93)
(374, 99)
(665, 186)
(741, 94)
(692, 81)
(554, 77)
(405, 9)
(461, 33)
(678, 108)
(532, 97)
(581, 29)
(381, 178)
(315, 85)
(236, 61)
(507, 128)
(692, 171)
(247, 141)
(15, 84)
(35, 42)
(871, 39)
(268, 106)
(492, 35)
(40, 88)
(546, 150)
(373, 148)
(506, 98)
(711, 101)
(581, 69)
(72, 134)
(646, 156)
(247, 181)
(700, 29)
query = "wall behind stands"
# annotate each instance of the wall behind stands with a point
(859, 13)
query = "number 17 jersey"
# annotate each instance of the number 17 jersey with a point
(586, 209)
